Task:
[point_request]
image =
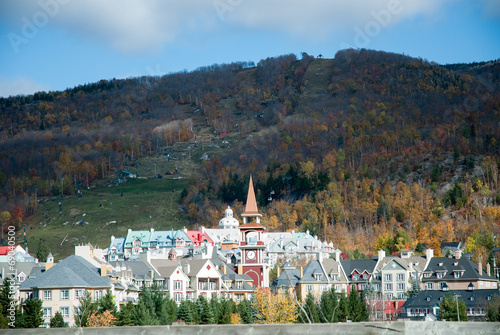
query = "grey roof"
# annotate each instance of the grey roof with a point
(360, 265)
(140, 270)
(310, 270)
(19, 267)
(118, 243)
(469, 268)
(73, 271)
(417, 262)
(288, 277)
(429, 299)
(234, 277)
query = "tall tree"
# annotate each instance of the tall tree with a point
(33, 314)
(448, 309)
(57, 321)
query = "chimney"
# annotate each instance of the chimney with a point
(381, 254)
(223, 269)
(50, 261)
(429, 253)
(279, 272)
(480, 268)
(103, 270)
(337, 255)
(488, 269)
(301, 272)
(458, 254)
(186, 268)
(240, 270)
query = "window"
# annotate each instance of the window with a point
(78, 293)
(440, 275)
(322, 287)
(456, 274)
(388, 277)
(365, 276)
(239, 284)
(443, 285)
(388, 296)
(97, 294)
(178, 297)
(202, 285)
(355, 276)
(429, 286)
(318, 276)
(64, 295)
(401, 286)
(400, 277)
(64, 312)
(47, 295)
(362, 287)
(177, 285)
(401, 295)
(376, 287)
(334, 276)
(388, 287)
(283, 289)
(427, 275)
(338, 288)
(309, 288)
(47, 312)
(239, 297)
(188, 297)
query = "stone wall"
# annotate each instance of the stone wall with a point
(362, 328)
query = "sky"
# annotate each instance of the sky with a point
(51, 45)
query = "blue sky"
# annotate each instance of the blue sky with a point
(55, 44)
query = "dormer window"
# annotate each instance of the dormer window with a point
(365, 276)
(440, 264)
(334, 276)
(318, 276)
(455, 264)
(427, 275)
(472, 298)
(355, 276)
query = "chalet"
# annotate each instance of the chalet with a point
(457, 273)
(359, 273)
(425, 305)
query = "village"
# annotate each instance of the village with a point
(231, 262)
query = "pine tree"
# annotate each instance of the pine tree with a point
(107, 303)
(343, 309)
(5, 296)
(33, 314)
(206, 313)
(364, 313)
(141, 315)
(245, 309)
(57, 321)
(309, 307)
(328, 306)
(124, 316)
(184, 312)
(227, 308)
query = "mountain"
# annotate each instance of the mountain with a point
(370, 149)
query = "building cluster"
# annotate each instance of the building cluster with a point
(232, 261)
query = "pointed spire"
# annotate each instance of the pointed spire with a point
(251, 205)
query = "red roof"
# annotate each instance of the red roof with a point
(5, 250)
(198, 237)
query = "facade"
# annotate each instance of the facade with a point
(393, 276)
(457, 273)
(314, 280)
(359, 273)
(60, 286)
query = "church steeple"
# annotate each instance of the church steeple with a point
(251, 205)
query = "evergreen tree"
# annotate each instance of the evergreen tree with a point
(141, 315)
(42, 251)
(33, 314)
(343, 309)
(6, 302)
(227, 308)
(419, 249)
(448, 309)
(205, 310)
(309, 307)
(245, 309)
(184, 312)
(328, 306)
(215, 306)
(57, 321)
(124, 316)
(415, 288)
(168, 311)
(364, 313)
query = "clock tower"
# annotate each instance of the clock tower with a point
(252, 245)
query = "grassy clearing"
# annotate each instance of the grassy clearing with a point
(136, 204)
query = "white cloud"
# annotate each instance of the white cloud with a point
(19, 86)
(136, 26)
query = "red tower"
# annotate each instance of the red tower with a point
(252, 245)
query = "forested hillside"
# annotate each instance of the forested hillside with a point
(370, 149)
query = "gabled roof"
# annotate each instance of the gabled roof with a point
(331, 266)
(198, 236)
(358, 265)
(310, 270)
(143, 235)
(118, 243)
(469, 268)
(416, 262)
(168, 237)
(73, 271)
(289, 277)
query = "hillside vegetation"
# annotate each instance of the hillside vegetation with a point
(370, 149)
